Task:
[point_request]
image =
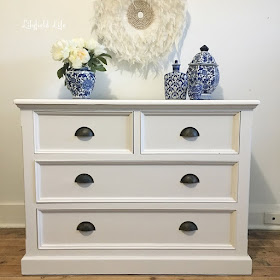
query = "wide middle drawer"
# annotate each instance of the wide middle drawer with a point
(76, 182)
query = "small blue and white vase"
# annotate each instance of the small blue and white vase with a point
(175, 83)
(80, 82)
(203, 75)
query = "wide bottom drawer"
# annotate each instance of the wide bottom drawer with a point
(136, 229)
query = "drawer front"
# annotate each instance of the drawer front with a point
(134, 182)
(132, 229)
(93, 133)
(166, 133)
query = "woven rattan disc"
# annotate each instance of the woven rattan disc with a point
(140, 14)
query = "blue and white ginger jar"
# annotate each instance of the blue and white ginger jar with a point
(175, 83)
(203, 75)
(80, 82)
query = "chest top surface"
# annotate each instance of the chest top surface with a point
(135, 104)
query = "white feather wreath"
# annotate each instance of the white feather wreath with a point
(139, 31)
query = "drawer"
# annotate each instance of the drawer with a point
(136, 229)
(87, 133)
(76, 182)
(178, 133)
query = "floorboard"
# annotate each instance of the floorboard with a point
(264, 248)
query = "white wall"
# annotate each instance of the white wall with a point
(243, 36)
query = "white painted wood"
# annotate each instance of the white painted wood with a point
(244, 181)
(137, 158)
(134, 229)
(147, 205)
(139, 182)
(162, 104)
(161, 133)
(29, 181)
(137, 132)
(55, 132)
(240, 265)
(136, 202)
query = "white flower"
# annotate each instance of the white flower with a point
(91, 44)
(99, 50)
(78, 57)
(60, 50)
(78, 43)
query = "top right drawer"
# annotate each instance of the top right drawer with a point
(180, 133)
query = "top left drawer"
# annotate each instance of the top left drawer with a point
(104, 132)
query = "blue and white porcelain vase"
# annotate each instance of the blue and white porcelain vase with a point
(80, 82)
(203, 75)
(175, 83)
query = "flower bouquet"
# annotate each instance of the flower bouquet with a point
(81, 59)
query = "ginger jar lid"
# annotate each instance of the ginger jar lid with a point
(203, 58)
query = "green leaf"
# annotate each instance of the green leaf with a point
(102, 59)
(100, 68)
(93, 70)
(93, 61)
(105, 54)
(92, 64)
(61, 72)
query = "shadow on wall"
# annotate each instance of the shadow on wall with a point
(218, 93)
(101, 89)
(176, 53)
(260, 192)
(64, 93)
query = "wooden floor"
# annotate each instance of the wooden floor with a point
(264, 248)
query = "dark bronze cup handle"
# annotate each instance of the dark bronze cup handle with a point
(189, 132)
(188, 226)
(84, 179)
(84, 132)
(85, 227)
(190, 179)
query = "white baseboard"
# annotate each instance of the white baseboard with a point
(12, 215)
(256, 216)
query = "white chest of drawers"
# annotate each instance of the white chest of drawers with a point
(136, 187)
